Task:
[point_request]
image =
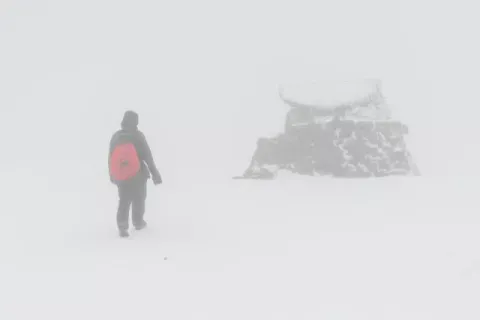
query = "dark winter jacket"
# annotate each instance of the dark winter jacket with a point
(130, 133)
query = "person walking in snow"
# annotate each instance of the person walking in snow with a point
(131, 164)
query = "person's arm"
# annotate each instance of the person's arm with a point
(148, 158)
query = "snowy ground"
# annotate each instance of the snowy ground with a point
(205, 82)
(290, 249)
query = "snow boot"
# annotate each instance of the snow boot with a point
(124, 233)
(141, 226)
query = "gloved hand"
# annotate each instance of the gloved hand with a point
(157, 178)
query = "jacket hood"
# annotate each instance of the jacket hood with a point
(130, 120)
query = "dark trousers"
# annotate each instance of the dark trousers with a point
(131, 194)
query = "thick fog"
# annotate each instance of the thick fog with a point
(204, 78)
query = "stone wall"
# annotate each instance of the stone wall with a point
(337, 147)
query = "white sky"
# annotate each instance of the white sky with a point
(204, 75)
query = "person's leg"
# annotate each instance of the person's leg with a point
(124, 202)
(138, 204)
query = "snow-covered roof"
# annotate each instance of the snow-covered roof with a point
(328, 94)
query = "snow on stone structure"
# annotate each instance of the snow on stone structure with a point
(343, 129)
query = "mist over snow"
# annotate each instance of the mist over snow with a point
(204, 77)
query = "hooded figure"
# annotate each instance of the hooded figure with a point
(130, 121)
(132, 191)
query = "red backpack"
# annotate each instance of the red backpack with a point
(124, 162)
